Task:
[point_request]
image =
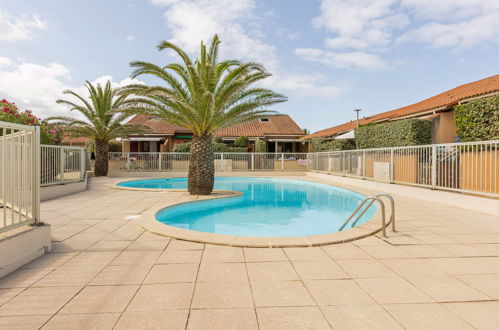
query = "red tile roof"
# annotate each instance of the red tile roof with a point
(276, 125)
(443, 100)
(74, 141)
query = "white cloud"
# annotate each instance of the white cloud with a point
(342, 60)
(16, 28)
(130, 38)
(37, 87)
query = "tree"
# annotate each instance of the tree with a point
(202, 95)
(101, 121)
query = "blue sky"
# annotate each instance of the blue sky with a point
(328, 56)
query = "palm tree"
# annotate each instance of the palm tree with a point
(202, 95)
(101, 122)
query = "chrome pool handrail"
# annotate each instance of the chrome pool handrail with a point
(392, 205)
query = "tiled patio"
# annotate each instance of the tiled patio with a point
(441, 270)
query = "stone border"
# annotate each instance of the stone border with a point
(148, 221)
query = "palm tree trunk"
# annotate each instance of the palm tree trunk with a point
(201, 166)
(101, 158)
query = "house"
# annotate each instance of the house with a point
(439, 109)
(279, 132)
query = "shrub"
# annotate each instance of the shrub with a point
(217, 147)
(241, 142)
(321, 144)
(218, 139)
(478, 120)
(408, 132)
(49, 134)
(182, 147)
(260, 146)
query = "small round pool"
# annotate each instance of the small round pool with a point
(268, 207)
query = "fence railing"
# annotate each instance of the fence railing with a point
(466, 167)
(19, 175)
(224, 162)
(62, 164)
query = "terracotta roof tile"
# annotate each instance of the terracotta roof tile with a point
(443, 100)
(276, 125)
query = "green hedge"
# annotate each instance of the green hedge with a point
(260, 146)
(478, 120)
(217, 147)
(408, 132)
(321, 144)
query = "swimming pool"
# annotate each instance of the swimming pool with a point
(268, 207)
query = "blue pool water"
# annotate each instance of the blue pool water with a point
(268, 207)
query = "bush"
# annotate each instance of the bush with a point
(182, 147)
(217, 147)
(408, 132)
(260, 146)
(241, 142)
(478, 120)
(218, 139)
(49, 134)
(321, 144)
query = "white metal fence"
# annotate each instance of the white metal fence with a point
(466, 167)
(62, 164)
(19, 175)
(179, 162)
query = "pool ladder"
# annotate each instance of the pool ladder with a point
(371, 200)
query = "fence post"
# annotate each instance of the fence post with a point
(282, 162)
(62, 163)
(392, 166)
(221, 162)
(317, 162)
(159, 161)
(329, 162)
(433, 166)
(83, 157)
(252, 161)
(363, 164)
(36, 177)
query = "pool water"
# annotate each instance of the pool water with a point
(267, 207)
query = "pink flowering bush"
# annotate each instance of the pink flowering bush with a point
(49, 134)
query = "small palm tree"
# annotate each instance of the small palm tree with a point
(202, 95)
(101, 122)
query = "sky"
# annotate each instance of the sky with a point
(328, 57)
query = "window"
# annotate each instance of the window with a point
(264, 119)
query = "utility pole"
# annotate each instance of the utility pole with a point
(357, 111)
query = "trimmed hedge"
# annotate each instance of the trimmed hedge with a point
(217, 147)
(260, 146)
(408, 132)
(241, 142)
(321, 144)
(478, 120)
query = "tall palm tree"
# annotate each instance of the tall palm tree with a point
(203, 95)
(101, 120)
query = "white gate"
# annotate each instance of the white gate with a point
(19, 175)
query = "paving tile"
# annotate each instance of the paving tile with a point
(345, 251)
(184, 245)
(160, 297)
(109, 246)
(280, 293)
(180, 257)
(318, 270)
(359, 317)
(488, 284)
(172, 273)
(38, 301)
(222, 295)
(113, 275)
(136, 258)
(337, 292)
(365, 268)
(411, 267)
(69, 276)
(463, 250)
(385, 251)
(465, 266)
(264, 254)
(223, 254)
(482, 315)
(426, 316)
(392, 290)
(243, 319)
(425, 251)
(51, 260)
(153, 245)
(8, 294)
(94, 321)
(101, 299)
(23, 278)
(291, 318)
(222, 272)
(152, 320)
(306, 254)
(446, 288)
(271, 271)
(25, 322)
